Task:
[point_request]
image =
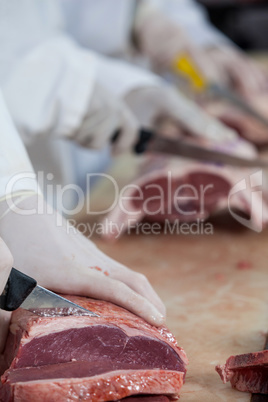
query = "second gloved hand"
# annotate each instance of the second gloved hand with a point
(149, 104)
(228, 66)
(106, 116)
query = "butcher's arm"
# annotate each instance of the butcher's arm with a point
(15, 168)
(53, 91)
(9, 151)
(45, 247)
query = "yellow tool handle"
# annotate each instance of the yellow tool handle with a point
(184, 66)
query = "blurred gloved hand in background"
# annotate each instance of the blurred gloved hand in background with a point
(233, 68)
(150, 103)
(163, 40)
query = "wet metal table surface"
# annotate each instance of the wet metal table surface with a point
(215, 291)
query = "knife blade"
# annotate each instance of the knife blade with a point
(23, 291)
(152, 142)
(236, 100)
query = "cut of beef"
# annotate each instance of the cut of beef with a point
(77, 357)
(182, 190)
(248, 372)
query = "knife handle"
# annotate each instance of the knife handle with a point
(145, 136)
(17, 289)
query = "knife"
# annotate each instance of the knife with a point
(236, 100)
(185, 66)
(151, 142)
(22, 291)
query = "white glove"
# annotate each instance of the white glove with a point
(6, 263)
(60, 258)
(162, 40)
(107, 115)
(229, 66)
(151, 103)
(68, 101)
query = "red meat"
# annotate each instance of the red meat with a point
(76, 357)
(248, 372)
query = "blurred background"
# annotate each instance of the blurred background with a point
(243, 21)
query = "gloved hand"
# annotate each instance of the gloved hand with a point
(60, 258)
(162, 40)
(107, 115)
(6, 263)
(149, 104)
(228, 66)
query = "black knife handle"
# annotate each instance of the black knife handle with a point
(115, 136)
(145, 137)
(17, 289)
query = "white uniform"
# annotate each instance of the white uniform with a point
(41, 65)
(47, 80)
(14, 161)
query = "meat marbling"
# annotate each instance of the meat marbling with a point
(108, 358)
(248, 372)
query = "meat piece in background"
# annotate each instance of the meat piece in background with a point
(246, 126)
(248, 372)
(185, 190)
(170, 189)
(55, 357)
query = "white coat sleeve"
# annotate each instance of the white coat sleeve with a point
(16, 172)
(120, 77)
(193, 18)
(104, 25)
(48, 90)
